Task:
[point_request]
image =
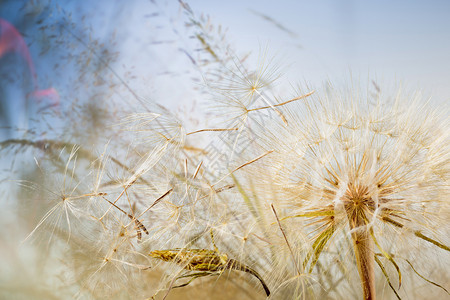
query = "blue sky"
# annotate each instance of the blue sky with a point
(407, 41)
(390, 41)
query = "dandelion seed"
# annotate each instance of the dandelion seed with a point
(67, 206)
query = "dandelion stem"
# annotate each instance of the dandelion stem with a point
(363, 247)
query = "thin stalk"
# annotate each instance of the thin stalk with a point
(363, 246)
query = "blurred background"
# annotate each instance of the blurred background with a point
(53, 53)
(71, 70)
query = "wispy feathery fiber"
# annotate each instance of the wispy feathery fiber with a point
(317, 193)
(358, 166)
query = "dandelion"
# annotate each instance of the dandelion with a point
(360, 174)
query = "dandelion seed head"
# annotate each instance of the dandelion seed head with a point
(358, 162)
